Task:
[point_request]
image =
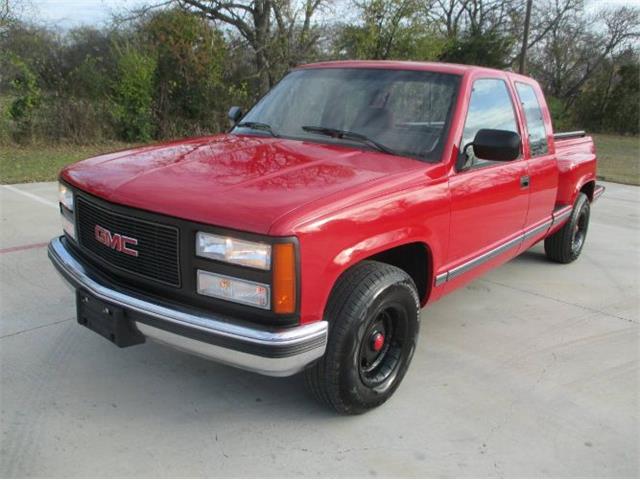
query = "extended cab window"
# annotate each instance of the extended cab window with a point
(535, 122)
(490, 106)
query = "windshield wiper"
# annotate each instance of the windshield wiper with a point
(348, 135)
(259, 126)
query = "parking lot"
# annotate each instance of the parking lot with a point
(532, 370)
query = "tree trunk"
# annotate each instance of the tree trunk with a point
(261, 21)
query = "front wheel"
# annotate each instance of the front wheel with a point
(565, 245)
(373, 315)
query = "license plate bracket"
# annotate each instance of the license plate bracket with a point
(110, 321)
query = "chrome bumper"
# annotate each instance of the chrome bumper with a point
(276, 352)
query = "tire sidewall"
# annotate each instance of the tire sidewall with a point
(400, 294)
(582, 205)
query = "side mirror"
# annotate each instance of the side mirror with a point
(235, 114)
(496, 145)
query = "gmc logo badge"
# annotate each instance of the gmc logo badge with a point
(115, 241)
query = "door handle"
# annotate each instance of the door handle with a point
(525, 181)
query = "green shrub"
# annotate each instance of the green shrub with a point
(622, 114)
(561, 117)
(189, 87)
(27, 99)
(74, 120)
(134, 94)
(489, 49)
(5, 121)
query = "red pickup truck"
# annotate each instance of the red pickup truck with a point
(309, 236)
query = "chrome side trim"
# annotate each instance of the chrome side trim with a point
(536, 230)
(306, 342)
(442, 278)
(485, 257)
(562, 214)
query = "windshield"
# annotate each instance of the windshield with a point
(401, 111)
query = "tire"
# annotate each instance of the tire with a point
(565, 245)
(373, 314)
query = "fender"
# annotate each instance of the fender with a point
(586, 179)
(338, 240)
(368, 247)
(377, 244)
(576, 167)
(576, 178)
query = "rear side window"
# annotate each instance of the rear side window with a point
(490, 106)
(535, 122)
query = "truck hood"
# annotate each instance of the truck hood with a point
(241, 182)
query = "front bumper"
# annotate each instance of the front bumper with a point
(270, 351)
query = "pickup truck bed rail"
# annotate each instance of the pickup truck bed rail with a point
(566, 135)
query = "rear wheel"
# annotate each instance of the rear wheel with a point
(565, 245)
(373, 316)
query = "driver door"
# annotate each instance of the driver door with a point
(489, 199)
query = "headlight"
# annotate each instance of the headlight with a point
(233, 250)
(65, 196)
(234, 289)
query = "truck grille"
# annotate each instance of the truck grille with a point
(157, 244)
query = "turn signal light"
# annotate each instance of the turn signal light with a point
(284, 278)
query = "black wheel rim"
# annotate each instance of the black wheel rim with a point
(382, 347)
(579, 232)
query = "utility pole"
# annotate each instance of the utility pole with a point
(525, 39)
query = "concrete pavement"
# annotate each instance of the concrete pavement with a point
(532, 370)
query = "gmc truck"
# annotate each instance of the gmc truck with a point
(309, 236)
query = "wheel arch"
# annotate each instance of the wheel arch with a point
(413, 257)
(588, 188)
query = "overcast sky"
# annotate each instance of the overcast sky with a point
(71, 13)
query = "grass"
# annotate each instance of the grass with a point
(41, 163)
(618, 159)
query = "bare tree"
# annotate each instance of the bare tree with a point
(448, 14)
(278, 31)
(9, 11)
(456, 17)
(5, 12)
(490, 15)
(387, 29)
(507, 17)
(573, 51)
(622, 26)
(546, 16)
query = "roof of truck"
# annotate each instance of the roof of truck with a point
(452, 68)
